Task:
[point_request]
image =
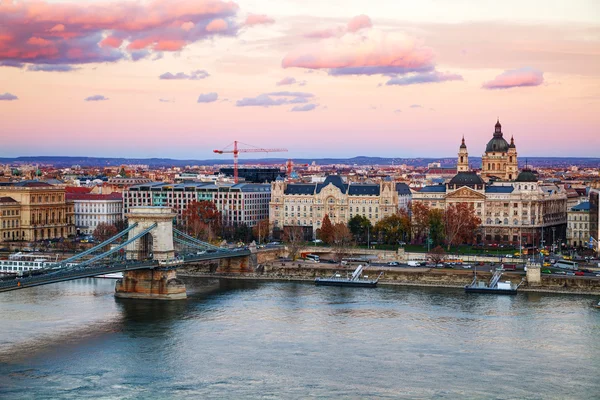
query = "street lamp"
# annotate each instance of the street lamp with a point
(553, 239)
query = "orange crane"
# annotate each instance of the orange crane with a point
(236, 152)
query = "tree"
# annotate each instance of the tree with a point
(436, 226)
(436, 255)
(326, 232)
(394, 228)
(341, 241)
(294, 237)
(104, 231)
(461, 222)
(420, 220)
(360, 227)
(202, 220)
(261, 230)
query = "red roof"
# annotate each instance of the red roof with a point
(77, 189)
(77, 196)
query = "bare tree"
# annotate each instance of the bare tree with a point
(293, 237)
(341, 241)
(436, 255)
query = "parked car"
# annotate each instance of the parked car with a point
(393, 263)
(466, 266)
(546, 271)
(579, 273)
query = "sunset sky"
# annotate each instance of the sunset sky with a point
(179, 78)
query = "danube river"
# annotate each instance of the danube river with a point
(246, 339)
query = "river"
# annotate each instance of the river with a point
(245, 339)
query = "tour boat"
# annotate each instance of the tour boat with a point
(494, 286)
(355, 280)
(20, 263)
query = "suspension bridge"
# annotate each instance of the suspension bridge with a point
(147, 252)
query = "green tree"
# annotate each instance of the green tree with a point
(326, 232)
(360, 226)
(436, 226)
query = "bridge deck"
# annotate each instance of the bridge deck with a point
(95, 270)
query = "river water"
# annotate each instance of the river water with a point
(272, 340)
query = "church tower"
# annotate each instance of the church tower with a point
(463, 158)
(512, 166)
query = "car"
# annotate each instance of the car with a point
(546, 271)
(509, 256)
(597, 274)
(547, 264)
(466, 266)
(560, 272)
(402, 243)
(570, 273)
(317, 241)
(579, 273)
(393, 263)
(439, 265)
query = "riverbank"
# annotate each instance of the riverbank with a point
(419, 277)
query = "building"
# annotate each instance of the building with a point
(578, 229)
(514, 207)
(255, 175)
(595, 217)
(500, 158)
(42, 210)
(93, 209)
(306, 204)
(242, 203)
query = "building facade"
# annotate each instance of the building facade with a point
(595, 217)
(43, 211)
(242, 203)
(578, 229)
(93, 209)
(305, 205)
(500, 158)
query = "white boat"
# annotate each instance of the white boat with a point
(114, 275)
(23, 263)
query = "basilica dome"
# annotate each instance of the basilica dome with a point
(497, 144)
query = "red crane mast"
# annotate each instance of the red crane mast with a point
(237, 150)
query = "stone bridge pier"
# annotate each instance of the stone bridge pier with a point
(157, 245)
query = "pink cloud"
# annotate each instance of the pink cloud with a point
(516, 78)
(111, 41)
(359, 22)
(373, 53)
(286, 81)
(72, 33)
(258, 19)
(325, 33)
(217, 25)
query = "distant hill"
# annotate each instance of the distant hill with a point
(64, 161)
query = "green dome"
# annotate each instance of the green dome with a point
(497, 144)
(527, 175)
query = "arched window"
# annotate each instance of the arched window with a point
(505, 221)
(461, 159)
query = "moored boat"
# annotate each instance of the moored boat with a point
(494, 286)
(355, 280)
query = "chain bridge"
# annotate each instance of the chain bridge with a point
(148, 254)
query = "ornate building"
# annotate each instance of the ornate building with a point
(514, 207)
(500, 158)
(306, 205)
(33, 210)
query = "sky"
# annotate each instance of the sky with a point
(180, 78)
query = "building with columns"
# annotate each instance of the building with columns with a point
(513, 207)
(42, 212)
(578, 229)
(500, 158)
(305, 205)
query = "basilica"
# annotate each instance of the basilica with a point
(514, 206)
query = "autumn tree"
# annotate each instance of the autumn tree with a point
(460, 223)
(202, 220)
(326, 232)
(393, 228)
(420, 220)
(436, 255)
(261, 230)
(360, 227)
(341, 241)
(104, 231)
(293, 236)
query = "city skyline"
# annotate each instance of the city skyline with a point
(178, 79)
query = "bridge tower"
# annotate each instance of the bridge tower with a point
(157, 283)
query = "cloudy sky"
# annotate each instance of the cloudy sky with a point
(179, 78)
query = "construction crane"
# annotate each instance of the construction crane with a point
(235, 150)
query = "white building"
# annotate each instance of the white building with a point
(241, 203)
(93, 209)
